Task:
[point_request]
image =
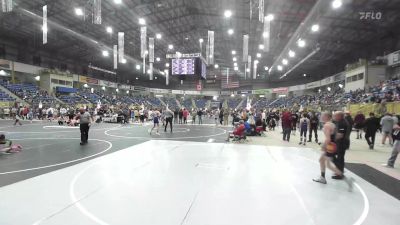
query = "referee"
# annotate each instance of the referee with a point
(169, 115)
(85, 120)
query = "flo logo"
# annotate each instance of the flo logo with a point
(370, 15)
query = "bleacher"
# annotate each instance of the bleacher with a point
(171, 102)
(187, 103)
(72, 99)
(91, 97)
(29, 93)
(233, 102)
(4, 97)
(201, 103)
(155, 102)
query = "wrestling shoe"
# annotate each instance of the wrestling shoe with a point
(321, 180)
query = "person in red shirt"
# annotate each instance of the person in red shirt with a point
(238, 131)
(286, 125)
(185, 115)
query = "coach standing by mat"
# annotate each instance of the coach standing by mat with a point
(85, 120)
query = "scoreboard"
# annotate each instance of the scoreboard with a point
(183, 66)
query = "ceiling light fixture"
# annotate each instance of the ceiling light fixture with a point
(301, 43)
(167, 65)
(280, 68)
(315, 28)
(216, 66)
(284, 61)
(228, 13)
(117, 1)
(337, 4)
(230, 31)
(79, 11)
(261, 47)
(158, 36)
(233, 52)
(201, 40)
(292, 54)
(142, 21)
(137, 67)
(170, 47)
(105, 53)
(270, 17)
(266, 68)
(258, 55)
(234, 59)
(109, 30)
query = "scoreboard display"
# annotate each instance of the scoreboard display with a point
(188, 66)
(183, 66)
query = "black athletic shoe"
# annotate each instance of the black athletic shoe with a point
(81, 143)
(309, 141)
(337, 177)
(371, 147)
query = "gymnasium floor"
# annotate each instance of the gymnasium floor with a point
(188, 177)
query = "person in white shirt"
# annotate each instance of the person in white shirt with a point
(263, 116)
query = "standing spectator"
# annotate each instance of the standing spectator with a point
(176, 113)
(194, 114)
(200, 115)
(1, 113)
(226, 117)
(359, 124)
(185, 115)
(286, 125)
(396, 146)
(221, 116)
(303, 127)
(85, 120)
(371, 127)
(314, 123)
(387, 124)
(180, 116)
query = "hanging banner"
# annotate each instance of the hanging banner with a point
(255, 64)
(115, 52)
(88, 80)
(44, 26)
(251, 10)
(166, 77)
(281, 90)
(143, 41)
(7, 5)
(151, 50)
(144, 65)
(97, 11)
(266, 35)
(151, 71)
(121, 47)
(249, 65)
(261, 11)
(245, 47)
(211, 46)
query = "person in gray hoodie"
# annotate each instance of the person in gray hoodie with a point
(387, 124)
